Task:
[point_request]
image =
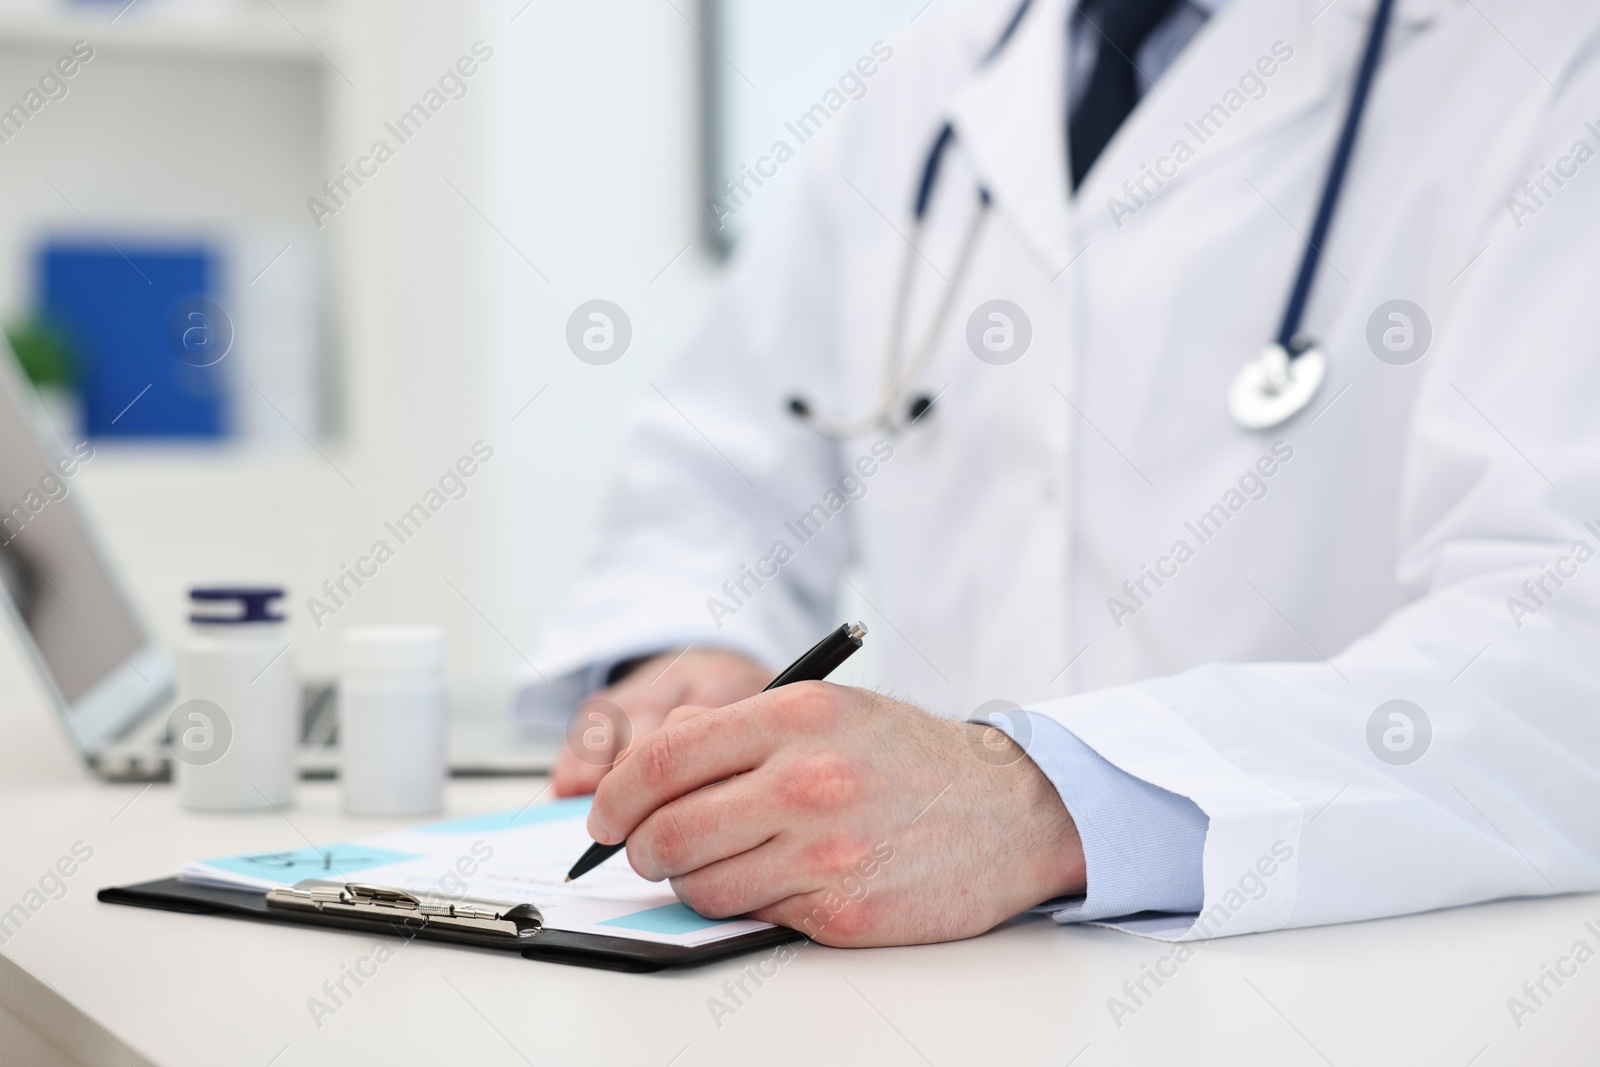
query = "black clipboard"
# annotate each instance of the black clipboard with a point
(552, 946)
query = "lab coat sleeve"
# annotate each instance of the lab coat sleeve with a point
(1326, 801)
(1142, 846)
(697, 544)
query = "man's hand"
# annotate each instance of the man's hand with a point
(638, 703)
(856, 819)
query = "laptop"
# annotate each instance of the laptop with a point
(110, 679)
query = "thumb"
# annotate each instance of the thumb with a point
(680, 714)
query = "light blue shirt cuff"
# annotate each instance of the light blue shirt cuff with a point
(1143, 847)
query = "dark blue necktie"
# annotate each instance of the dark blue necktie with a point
(1121, 26)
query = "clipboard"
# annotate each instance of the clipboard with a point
(375, 909)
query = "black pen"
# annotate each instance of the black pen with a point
(814, 666)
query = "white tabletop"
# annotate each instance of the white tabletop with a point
(176, 990)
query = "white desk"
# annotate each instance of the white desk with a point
(181, 990)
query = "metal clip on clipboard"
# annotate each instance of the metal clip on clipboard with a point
(366, 901)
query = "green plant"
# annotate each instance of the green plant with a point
(43, 351)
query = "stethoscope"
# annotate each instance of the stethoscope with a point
(1267, 391)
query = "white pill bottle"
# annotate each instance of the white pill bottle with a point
(392, 706)
(232, 736)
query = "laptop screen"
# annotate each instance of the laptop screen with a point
(84, 633)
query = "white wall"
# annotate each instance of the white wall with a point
(577, 143)
(592, 151)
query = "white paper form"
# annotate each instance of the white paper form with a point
(508, 857)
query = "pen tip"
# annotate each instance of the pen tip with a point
(567, 879)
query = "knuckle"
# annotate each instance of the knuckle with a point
(711, 897)
(815, 705)
(834, 855)
(660, 760)
(823, 781)
(667, 843)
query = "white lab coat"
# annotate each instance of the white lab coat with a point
(1405, 507)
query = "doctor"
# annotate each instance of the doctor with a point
(1312, 642)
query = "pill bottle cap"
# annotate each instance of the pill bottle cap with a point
(217, 605)
(386, 648)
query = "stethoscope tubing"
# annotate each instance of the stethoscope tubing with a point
(1333, 183)
(901, 375)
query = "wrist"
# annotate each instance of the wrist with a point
(1046, 850)
(1037, 851)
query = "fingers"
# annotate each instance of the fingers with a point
(795, 883)
(703, 827)
(597, 731)
(611, 719)
(600, 729)
(574, 777)
(706, 748)
(746, 882)
(584, 762)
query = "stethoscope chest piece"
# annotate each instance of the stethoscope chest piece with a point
(1273, 388)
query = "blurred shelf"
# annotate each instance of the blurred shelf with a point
(262, 34)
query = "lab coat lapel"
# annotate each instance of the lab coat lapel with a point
(1010, 117)
(1215, 100)
(1010, 122)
